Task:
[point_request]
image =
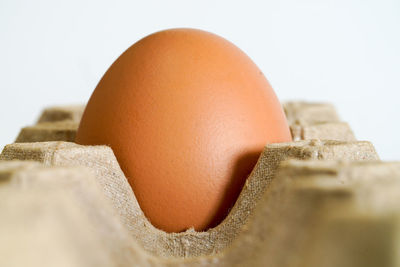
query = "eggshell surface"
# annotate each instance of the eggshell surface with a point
(187, 115)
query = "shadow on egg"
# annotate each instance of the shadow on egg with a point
(243, 166)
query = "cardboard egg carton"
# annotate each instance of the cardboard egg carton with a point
(297, 200)
(322, 213)
(62, 113)
(314, 213)
(116, 188)
(307, 120)
(58, 216)
(54, 124)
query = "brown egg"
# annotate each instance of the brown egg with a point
(187, 114)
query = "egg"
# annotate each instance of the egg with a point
(187, 114)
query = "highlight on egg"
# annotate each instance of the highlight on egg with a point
(187, 114)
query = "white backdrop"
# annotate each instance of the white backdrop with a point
(343, 51)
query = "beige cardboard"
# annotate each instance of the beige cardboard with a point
(315, 213)
(340, 131)
(61, 113)
(307, 120)
(312, 120)
(49, 131)
(190, 243)
(302, 218)
(308, 203)
(57, 216)
(308, 113)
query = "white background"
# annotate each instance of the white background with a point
(343, 51)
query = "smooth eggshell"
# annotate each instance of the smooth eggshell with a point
(187, 115)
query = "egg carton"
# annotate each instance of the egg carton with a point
(306, 120)
(316, 121)
(75, 202)
(54, 124)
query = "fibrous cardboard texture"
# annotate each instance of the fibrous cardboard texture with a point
(57, 216)
(190, 243)
(308, 113)
(322, 214)
(324, 131)
(58, 123)
(315, 213)
(307, 120)
(62, 113)
(49, 131)
(292, 217)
